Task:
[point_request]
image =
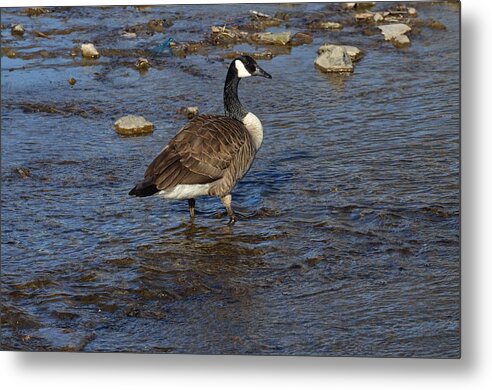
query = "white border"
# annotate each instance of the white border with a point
(473, 371)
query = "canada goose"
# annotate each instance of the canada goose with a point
(211, 153)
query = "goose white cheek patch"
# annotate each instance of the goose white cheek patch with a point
(241, 70)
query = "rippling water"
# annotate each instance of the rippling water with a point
(349, 240)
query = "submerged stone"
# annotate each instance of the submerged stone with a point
(133, 125)
(301, 38)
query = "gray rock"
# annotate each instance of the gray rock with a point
(354, 52)
(269, 38)
(378, 17)
(334, 59)
(133, 125)
(391, 31)
(330, 25)
(401, 41)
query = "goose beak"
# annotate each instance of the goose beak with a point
(262, 73)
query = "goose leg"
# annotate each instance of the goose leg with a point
(191, 205)
(226, 201)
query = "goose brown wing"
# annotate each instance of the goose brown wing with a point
(199, 154)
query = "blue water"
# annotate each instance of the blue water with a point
(349, 241)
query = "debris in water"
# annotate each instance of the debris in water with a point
(72, 81)
(165, 48)
(40, 34)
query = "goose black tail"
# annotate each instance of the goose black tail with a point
(144, 189)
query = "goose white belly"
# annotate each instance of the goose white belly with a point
(185, 191)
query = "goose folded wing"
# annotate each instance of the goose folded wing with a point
(200, 153)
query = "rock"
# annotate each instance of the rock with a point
(391, 31)
(282, 16)
(366, 4)
(349, 5)
(142, 64)
(223, 35)
(189, 112)
(334, 59)
(436, 25)
(301, 38)
(89, 50)
(159, 25)
(354, 52)
(261, 55)
(264, 20)
(36, 11)
(269, 38)
(412, 11)
(401, 41)
(129, 35)
(18, 29)
(378, 17)
(23, 173)
(133, 125)
(364, 17)
(326, 25)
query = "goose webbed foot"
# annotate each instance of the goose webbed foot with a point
(191, 205)
(227, 202)
(232, 220)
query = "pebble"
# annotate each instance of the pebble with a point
(23, 173)
(142, 64)
(378, 17)
(18, 29)
(133, 125)
(328, 25)
(89, 50)
(189, 112)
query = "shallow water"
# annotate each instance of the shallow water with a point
(349, 240)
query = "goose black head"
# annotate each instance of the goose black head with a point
(246, 66)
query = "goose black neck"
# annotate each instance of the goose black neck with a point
(232, 106)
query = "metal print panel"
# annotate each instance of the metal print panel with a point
(267, 179)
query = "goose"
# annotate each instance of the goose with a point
(211, 153)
